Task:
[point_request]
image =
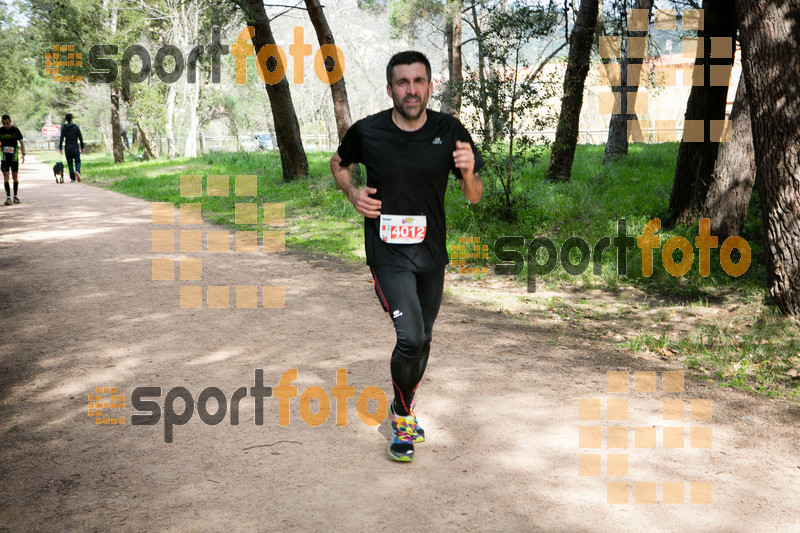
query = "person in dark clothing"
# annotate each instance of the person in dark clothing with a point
(9, 137)
(70, 135)
(408, 151)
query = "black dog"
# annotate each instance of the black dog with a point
(58, 170)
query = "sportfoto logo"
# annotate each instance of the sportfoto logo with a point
(271, 63)
(143, 399)
(512, 261)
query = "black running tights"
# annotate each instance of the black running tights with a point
(412, 300)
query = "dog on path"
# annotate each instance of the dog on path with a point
(58, 171)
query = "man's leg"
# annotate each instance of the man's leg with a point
(15, 176)
(429, 290)
(397, 289)
(77, 157)
(5, 166)
(69, 155)
(7, 185)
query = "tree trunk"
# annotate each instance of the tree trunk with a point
(341, 108)
(563, 149)
(772, 73)
(696, 160)
(233, 128)
(447, 89)
(617, 143)
(190, 148)
(116, 127)
(170, 121)
(202, 142)
(487, 134)
(149, 150)
(734, 173)
(451, 95)
(294, 163)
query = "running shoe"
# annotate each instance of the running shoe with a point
(8, 201)
(401, 447)
(78, 176)
(16, 200)
(418, 432)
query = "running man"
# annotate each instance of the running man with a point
(408, 152)
(70, 135)
(9, 136)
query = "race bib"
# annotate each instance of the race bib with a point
(8, 149)
(403, 229)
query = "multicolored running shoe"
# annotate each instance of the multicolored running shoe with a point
(401, 447)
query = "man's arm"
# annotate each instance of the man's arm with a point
(471, 183)
(80, 137)
(22, 149)
(61, 140)
(369, 207)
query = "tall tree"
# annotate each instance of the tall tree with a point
(580, 45)
(734, 173)
(451, 93)
(706, 103)
(770, 41)
(617, 143)
(341, 107)
(294, 163)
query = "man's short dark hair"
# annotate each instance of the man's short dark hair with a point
(406, 58)
(6, 117)
(68, 117)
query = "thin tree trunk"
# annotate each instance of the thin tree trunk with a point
(617, 143)
(341, 108)
(456, 75)
(190, 148)
(294, 163)
(451, 94)
(149, 150)
(487, 135)
(772, 73)
(233, 128)
(563, 149)
(447, 88)
(116, 127)
(170, 121)
(696, 160)
(734, 173)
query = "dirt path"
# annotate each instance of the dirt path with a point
(500, 403)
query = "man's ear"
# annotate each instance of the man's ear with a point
(389, 90)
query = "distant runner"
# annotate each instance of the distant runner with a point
(409, 152)
(9, 137)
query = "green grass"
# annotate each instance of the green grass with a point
(320, 217)
(758, 353)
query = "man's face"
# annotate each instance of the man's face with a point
(410, 90)
(6, 123)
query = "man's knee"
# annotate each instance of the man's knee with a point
(411, 344)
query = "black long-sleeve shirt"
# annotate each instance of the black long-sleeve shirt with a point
(70, 135)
